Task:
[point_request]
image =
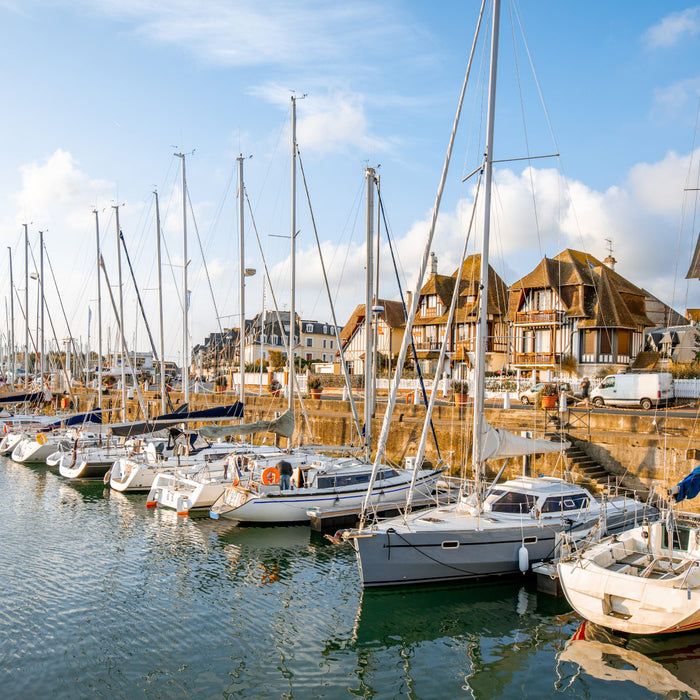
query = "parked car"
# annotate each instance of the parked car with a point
(529, 395)
(645, 389)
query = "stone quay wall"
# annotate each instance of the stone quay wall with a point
(638, 449)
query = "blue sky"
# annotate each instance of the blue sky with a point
(100, 94)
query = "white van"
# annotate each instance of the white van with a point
(645, 389)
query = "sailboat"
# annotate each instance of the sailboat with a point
(645, 580)
(490, 530)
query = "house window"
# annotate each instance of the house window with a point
(325, 329)
(309, 342)
(324, 342)
(324, 357)
(432, 301)
(331, 345)
(309, 356)
(309, 328)
(606, 341)
(588, 343)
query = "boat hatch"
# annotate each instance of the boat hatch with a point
(450, 544)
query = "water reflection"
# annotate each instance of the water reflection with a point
(664, 664)
(496, 630)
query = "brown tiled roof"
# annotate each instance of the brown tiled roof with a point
(646, 360)
(588, 290)
(442, 285)
(392, 314)
(469, 286)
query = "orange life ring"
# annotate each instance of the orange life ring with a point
(41, 438)
(271, 475)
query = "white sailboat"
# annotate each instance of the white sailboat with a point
(488, 531)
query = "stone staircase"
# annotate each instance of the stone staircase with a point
(590, 473)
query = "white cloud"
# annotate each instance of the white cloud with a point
(670, 102)
(673, 28)
(276, 32)
(328, 122)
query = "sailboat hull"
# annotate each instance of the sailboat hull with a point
(441, 545)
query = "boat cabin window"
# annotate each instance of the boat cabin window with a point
(331, 482)
(681, 537)
(340, 480)
(555, 504)
(512, 502)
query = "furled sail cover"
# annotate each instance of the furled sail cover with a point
(33, 397)
(181, 415)
(77, 419)
(284, 426)
(694, 269)
(497, 443)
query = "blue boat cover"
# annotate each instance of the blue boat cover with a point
(77, 419)
(690, 486)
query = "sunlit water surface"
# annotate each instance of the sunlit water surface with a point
(103, 598)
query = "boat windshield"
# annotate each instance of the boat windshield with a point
(574, 501)
(503, 501)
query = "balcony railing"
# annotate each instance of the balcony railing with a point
(539, 317)
(537, 358)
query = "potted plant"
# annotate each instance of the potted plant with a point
(274, 387)
(315, 386)
(220, 383)
(549, 396)
(460, 389)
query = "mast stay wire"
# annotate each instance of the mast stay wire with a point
(355, 415)
(277, 314)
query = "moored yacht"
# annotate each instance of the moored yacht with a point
(328, 484)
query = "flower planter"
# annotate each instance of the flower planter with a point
(276, 392)
(549, 401)
(316, 393)
(461, 399)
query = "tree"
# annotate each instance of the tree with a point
(278, 359)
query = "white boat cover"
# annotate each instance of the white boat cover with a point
(284, 426)
(497, 443)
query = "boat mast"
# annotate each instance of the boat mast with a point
(121, 311)
(26, 308)
(99, 312)
(241, 334)
(482, 329)
(41, 295)
(369, 290)
(163, 407)
(292, 335)
(11, 354)
(185, 300)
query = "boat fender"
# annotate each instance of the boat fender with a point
(523, 558)
(271, 475)
(236, 480)
(4, 429)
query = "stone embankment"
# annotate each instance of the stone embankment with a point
(629, 449)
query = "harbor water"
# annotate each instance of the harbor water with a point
(102, 597)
